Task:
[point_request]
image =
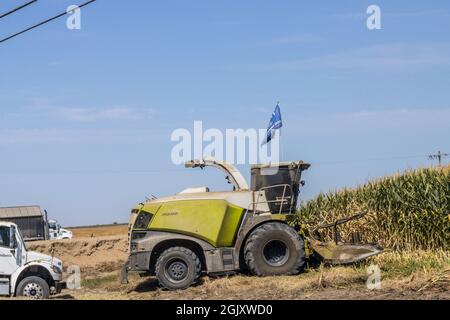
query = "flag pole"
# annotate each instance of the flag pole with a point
(281, 147)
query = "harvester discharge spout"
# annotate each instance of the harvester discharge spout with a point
(233, 175)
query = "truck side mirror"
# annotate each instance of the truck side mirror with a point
(12, 238)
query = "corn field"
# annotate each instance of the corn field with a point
(406, 211)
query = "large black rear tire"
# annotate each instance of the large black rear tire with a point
(274, 249)
(178, 268)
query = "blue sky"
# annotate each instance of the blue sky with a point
(86, 115)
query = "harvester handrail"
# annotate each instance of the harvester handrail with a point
(282, 201)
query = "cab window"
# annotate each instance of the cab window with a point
(4, 236)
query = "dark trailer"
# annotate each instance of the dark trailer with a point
(30, 219)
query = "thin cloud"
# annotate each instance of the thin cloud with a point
(383, 57)
(66, 136)
(374, 120)
(97, 114)
(350, 16)
(57, 63)
(416, 14)
(358, 16)
(31, 136)
(298, 39)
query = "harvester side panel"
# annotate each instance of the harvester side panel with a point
(214, 221)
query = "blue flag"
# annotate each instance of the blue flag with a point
(274, 124)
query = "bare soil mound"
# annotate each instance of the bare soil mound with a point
(92, 255)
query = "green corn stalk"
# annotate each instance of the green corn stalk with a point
(405, 211)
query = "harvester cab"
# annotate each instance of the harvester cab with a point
(280, 183)
(253, 229)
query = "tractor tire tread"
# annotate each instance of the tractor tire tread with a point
(257, 235)
(189, 253)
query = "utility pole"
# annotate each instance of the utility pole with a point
(439, 156)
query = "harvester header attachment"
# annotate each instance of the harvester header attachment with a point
(338, 252)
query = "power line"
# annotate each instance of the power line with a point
(175, 170)
(43, 22)
(366, 160)
(17, 9)
(439, 156)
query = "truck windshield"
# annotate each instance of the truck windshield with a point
(4, 236)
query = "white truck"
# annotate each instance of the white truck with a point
(56, 232)
(26, 273)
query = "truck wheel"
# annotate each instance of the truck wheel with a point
(33, 288)
(274, 249)
(177, 268)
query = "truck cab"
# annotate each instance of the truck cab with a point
(65, 234)
(26, 273)
(56, 232)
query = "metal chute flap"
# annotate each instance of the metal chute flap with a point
(338, 252)
(344, 253)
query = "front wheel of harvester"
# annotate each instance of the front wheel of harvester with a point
(177, 268)
(33, 288)
(274, 249)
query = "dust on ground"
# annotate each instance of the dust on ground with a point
(101, 257)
